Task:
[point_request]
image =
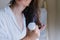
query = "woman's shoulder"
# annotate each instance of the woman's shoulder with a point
(3, 16)
(3, 33)
(3, 13)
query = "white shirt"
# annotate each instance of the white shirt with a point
(9, 29)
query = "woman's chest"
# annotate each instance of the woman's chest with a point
(13, 30)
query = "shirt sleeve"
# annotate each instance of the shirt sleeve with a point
(3, 34)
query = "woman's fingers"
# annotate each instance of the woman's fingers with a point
(43, 27)
(33, 34)
(37, 31)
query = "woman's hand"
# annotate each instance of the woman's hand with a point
(33, 35)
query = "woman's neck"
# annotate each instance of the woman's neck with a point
(17, 9)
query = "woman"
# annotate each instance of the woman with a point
(14, 20)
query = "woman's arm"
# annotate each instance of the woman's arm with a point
(26, 38)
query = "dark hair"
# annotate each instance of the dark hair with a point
(31, 12)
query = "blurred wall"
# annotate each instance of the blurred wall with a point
(3, 3)
(57, 27)
(51, 19)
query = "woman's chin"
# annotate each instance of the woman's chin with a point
(26, 5)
